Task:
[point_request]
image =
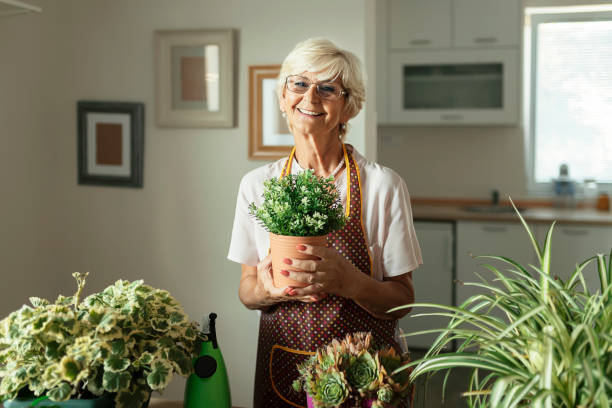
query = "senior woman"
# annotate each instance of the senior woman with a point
(365, 270)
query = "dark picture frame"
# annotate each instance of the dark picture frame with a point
(110, 141)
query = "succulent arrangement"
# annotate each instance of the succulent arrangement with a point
(300, 205)
(553, 348)
(352, 371)
(126, 341)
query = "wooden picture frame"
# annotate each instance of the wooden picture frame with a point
(110, 140)
(195, 78)
(269, 135)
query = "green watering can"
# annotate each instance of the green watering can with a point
(208, 386)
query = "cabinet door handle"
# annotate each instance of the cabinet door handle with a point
(485, 40)
(494, 228)
(575, 232)
(451, 116)
(420, 41)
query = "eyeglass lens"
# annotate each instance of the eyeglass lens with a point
(326, 90)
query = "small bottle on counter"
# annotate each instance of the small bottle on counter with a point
(589, 193)
(603, 202)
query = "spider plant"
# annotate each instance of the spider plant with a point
(552, 348)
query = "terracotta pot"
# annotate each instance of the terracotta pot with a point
(283, 246)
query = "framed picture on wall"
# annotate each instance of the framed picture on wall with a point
(110, 143)
(195, 78)
(269, 135)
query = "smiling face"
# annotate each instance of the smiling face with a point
(309, 114)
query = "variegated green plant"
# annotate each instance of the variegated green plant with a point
(553, 348)
(126, 340)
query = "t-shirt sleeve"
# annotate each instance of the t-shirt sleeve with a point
(401, 252)
(243, 248)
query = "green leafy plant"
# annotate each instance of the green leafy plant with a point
(351, 371)
(300, 205)
(127, 340)
(553, 348)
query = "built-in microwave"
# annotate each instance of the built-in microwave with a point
(451, 87)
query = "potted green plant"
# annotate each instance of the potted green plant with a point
(552, 349)
(354, 373)
(297, 209)
(111, 349)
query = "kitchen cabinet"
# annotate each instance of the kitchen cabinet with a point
(433, 281)
(476, 87)
(450, 62)
(573, 244)
(426, 24)
(419, 24)
(488, 238)
(485, 23)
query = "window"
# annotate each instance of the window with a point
(568, 74)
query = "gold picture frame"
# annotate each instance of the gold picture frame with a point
(269, 135)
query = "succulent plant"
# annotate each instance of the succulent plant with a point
(126, 340)
(356, 363)
(363, 371)
(331, 389)
(385, 394)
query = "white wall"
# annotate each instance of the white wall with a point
(175, 231)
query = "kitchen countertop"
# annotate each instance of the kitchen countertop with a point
(451, 212)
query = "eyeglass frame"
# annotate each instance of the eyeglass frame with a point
(343, 92)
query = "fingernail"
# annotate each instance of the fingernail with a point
(300, 247)
(288, 261)
(288, 291)
(285, 273)
(292, 292)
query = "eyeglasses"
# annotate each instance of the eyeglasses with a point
(326, 90)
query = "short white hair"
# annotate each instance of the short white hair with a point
(323, 57)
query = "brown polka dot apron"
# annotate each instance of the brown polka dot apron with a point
(289, 332)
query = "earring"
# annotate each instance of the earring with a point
(343, 126)
(283, 114)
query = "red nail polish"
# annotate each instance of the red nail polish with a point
(300, 247)
(285, 273)
(292, 292)
(288, 261)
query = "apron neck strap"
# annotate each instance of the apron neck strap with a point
(287, 167)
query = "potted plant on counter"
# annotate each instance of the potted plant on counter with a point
(354, 373)
(552, 348)
(297, 209)
(110, 350)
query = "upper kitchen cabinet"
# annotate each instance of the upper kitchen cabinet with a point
(449, 62)
(419, 24)
(478, 23)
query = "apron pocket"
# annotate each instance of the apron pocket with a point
(283, 371)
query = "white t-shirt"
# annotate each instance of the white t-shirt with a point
(387, 216)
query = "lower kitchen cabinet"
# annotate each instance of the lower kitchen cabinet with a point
(505, 239)
(433, 281)
(573, 244)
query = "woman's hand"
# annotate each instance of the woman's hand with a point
(331, 273)
(274, 294)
